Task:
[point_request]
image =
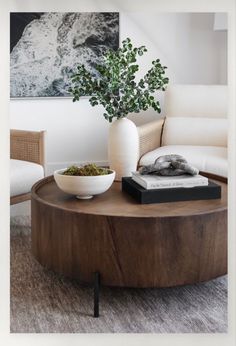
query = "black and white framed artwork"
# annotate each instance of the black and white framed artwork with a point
(46, 47)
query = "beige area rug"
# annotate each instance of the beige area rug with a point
(43, 302)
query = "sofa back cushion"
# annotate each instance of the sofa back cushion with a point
(195, 131)
(208, 101)
(195, 115)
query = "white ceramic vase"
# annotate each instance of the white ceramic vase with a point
(123, 147)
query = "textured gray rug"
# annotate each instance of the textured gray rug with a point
(43, 302)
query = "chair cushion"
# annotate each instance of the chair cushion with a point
(209, 159)
(23, 175)
(195, 131)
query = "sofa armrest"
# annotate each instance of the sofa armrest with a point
(28, 146)
(150, 136)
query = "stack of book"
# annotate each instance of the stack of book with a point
(159, 189)
(165, 182)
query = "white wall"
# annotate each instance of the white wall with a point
(186, 43)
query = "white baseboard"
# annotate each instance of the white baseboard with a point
(53, 166)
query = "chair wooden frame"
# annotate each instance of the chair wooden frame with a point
(150, 135)
(27, 146)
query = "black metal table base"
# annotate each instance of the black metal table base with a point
(96, 294)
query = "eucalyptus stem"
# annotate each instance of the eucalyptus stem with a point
(114, 86)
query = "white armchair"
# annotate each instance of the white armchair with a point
(26, 164)
(195, 126)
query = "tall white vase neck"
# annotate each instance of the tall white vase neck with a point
(123, 147)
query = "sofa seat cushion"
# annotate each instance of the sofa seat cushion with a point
(23, 175)
(208, 159)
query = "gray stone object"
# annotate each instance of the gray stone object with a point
(169, 165)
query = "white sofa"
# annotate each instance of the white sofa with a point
(26, 164)
(194, 126)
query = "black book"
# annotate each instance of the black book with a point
(144, 196)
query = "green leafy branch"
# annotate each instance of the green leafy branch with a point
(116, 88)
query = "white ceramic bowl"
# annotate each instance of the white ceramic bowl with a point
(83, 187)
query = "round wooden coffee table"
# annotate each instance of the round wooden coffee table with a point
(129, 244)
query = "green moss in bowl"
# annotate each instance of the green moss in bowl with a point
(84, 182)
(90, 169)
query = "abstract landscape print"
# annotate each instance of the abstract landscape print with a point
(45, 49)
